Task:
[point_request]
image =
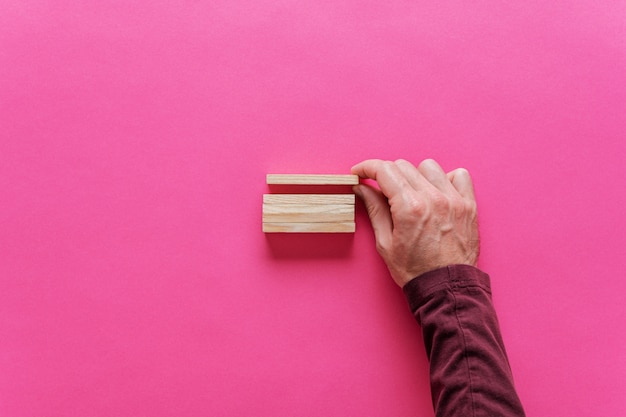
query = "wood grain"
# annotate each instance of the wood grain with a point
(308, 199)
(308, 213)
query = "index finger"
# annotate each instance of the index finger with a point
(387, 174)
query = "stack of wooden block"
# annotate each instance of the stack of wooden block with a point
(309, 213)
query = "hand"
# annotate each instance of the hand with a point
(423, 218)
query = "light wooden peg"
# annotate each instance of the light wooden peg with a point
(311, 179)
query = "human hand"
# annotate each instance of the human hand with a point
(423, 218)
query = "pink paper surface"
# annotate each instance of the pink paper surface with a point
(134, 142)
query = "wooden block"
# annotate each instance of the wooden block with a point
(341, 227)
(312, 179)
(308, 199)
(308, 213)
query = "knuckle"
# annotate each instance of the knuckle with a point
(428, 162)
(440, 202)
(388, 166)
(462, 175)
(402, 162)
(461, 172)
(412, 207)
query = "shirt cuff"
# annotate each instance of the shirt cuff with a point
(450, 277)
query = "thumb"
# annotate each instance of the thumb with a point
(379, 214)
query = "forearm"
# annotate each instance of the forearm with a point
(469, 369)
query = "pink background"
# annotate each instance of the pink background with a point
(134, 141)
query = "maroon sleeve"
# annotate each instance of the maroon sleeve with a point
(469, 370)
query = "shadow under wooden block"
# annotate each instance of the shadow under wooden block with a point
(311, 183)
(287, 246)
(309, 189)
